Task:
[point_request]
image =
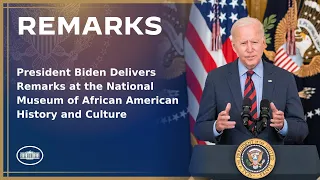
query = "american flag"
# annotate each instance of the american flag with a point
(199, 55)
(284, 61)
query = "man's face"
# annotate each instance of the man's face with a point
(249, 43)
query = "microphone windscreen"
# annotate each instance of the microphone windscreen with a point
(247, 102)
(265, 103)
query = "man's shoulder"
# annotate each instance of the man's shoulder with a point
(279, 72)
(224, 69)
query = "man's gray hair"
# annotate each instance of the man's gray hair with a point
(246, 21)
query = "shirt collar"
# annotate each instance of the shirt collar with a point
(258, 70)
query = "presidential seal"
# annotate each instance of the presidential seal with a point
(255, 158)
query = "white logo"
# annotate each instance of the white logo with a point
(29, 155)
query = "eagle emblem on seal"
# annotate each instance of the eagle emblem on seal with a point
(306, 25)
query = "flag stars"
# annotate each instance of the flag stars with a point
(172, 93)
(223, 31)
(175, 117)
(222, 17)
(203, 1)
(183, 114)
(211, 16)
(244, 4)
(234, 3)
(233, 17)
(213, 2)
(222, 3)
(310, 115)
(164, 120)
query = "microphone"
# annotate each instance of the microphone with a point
(246, 108)
(264, 112)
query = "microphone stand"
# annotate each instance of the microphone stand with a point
(258, 127)
(255, 130)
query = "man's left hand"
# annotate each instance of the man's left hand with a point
(278, 117)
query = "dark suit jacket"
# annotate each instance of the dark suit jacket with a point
(223, 86)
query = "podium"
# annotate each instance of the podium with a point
(294, 162)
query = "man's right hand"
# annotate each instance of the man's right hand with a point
(223, 122)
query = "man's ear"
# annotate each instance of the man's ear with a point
(264, 43)
(233, 46)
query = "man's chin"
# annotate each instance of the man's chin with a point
(251, 65)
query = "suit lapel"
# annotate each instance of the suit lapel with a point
(235, 87)
(234, 84)
(268, 81)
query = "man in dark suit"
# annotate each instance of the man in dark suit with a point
(219, 119)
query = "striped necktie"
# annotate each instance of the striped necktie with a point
(250, 92)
